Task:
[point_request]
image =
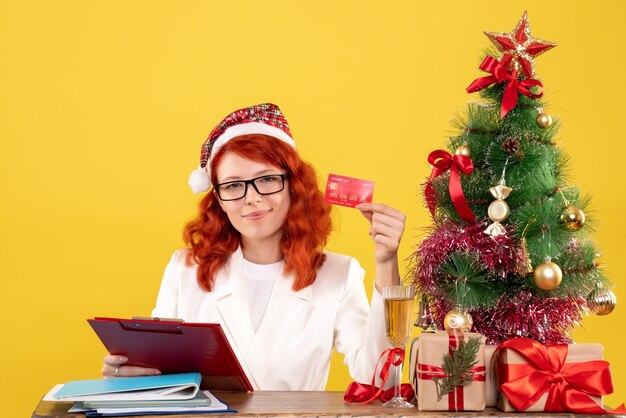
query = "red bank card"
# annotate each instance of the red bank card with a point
(348, 191)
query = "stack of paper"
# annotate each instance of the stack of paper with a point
(165, 394)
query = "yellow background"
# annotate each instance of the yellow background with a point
(104, 106)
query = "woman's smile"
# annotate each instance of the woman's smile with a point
(256, 214)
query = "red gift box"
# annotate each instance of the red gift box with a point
(552, 378)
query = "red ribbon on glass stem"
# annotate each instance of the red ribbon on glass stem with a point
(364, 393)
(443, 161)
(569, 385)
(499, 74)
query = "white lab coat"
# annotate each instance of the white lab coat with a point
(291, 349)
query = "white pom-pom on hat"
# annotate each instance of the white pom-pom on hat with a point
(199, 180)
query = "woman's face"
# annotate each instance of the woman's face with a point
(257, 217)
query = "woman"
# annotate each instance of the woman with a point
(255, 264)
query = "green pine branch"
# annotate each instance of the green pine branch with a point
(468, 284)
(457, 366)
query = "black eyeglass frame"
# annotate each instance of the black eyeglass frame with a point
(246, 183)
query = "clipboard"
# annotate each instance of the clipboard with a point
(173, 346)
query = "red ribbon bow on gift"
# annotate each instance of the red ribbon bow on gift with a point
(499, 74)
(443, 161)
(568, 385)
(364, 393)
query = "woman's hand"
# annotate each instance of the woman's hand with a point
(386, 229)
(114, 367)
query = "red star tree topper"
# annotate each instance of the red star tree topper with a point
(519, 48)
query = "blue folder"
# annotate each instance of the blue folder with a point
(181, 386)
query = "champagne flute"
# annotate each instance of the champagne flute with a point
(398, 310)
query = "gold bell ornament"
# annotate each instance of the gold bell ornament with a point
(423, 320)
(526, 266)
(601, 301)
(547, 275)
(458, 319)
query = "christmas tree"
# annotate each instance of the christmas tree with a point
(509, 254)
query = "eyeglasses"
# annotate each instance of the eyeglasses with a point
(267, 184)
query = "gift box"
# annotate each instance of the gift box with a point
(491, 381)
(551, 378)
(430, 375)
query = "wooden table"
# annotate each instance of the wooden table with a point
(308, 404)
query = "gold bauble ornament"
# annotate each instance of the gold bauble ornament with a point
(547, 275)
(544, 120)
(457, 319)
(463, 150)
(573, 217)
(601, 301)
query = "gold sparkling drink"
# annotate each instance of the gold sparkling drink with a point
(398, 323)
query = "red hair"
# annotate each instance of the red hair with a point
(212, 239)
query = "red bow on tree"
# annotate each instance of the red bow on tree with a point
(499, 74)
(443, 161)
(568, 385)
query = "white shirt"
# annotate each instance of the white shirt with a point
(260, 280)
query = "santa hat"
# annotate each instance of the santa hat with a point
(265, 119)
